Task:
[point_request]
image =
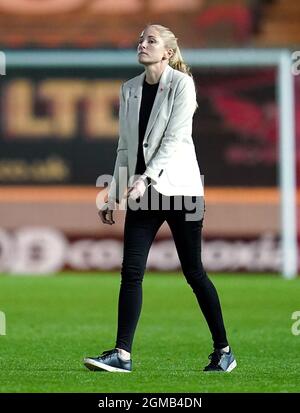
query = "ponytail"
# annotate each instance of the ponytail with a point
(176, 60)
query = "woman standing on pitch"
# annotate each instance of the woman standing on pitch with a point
(156, 148)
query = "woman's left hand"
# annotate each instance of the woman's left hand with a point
(137, 190)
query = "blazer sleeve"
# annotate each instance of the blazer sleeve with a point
(119, 181)
(179, 126)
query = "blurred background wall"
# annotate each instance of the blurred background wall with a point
(59, 131)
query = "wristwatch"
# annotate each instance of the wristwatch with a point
(146, 179)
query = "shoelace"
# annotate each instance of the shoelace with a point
(108, 353)
(215, 357)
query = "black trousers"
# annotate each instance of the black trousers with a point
(140, 229)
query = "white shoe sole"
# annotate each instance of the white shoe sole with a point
(231, 366)
(96, 365)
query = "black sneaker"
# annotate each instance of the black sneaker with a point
(221, 361)
(109, 361)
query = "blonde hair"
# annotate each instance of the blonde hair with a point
(170, 41)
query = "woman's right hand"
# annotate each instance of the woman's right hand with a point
(106, 212)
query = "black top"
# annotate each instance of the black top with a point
(148, 96)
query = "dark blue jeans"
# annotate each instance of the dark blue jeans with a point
(140, 229)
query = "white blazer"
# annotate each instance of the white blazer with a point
(168, 146)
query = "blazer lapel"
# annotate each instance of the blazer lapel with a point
(162, 92)
(136, 98)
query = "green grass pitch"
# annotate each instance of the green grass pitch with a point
(53, 322)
